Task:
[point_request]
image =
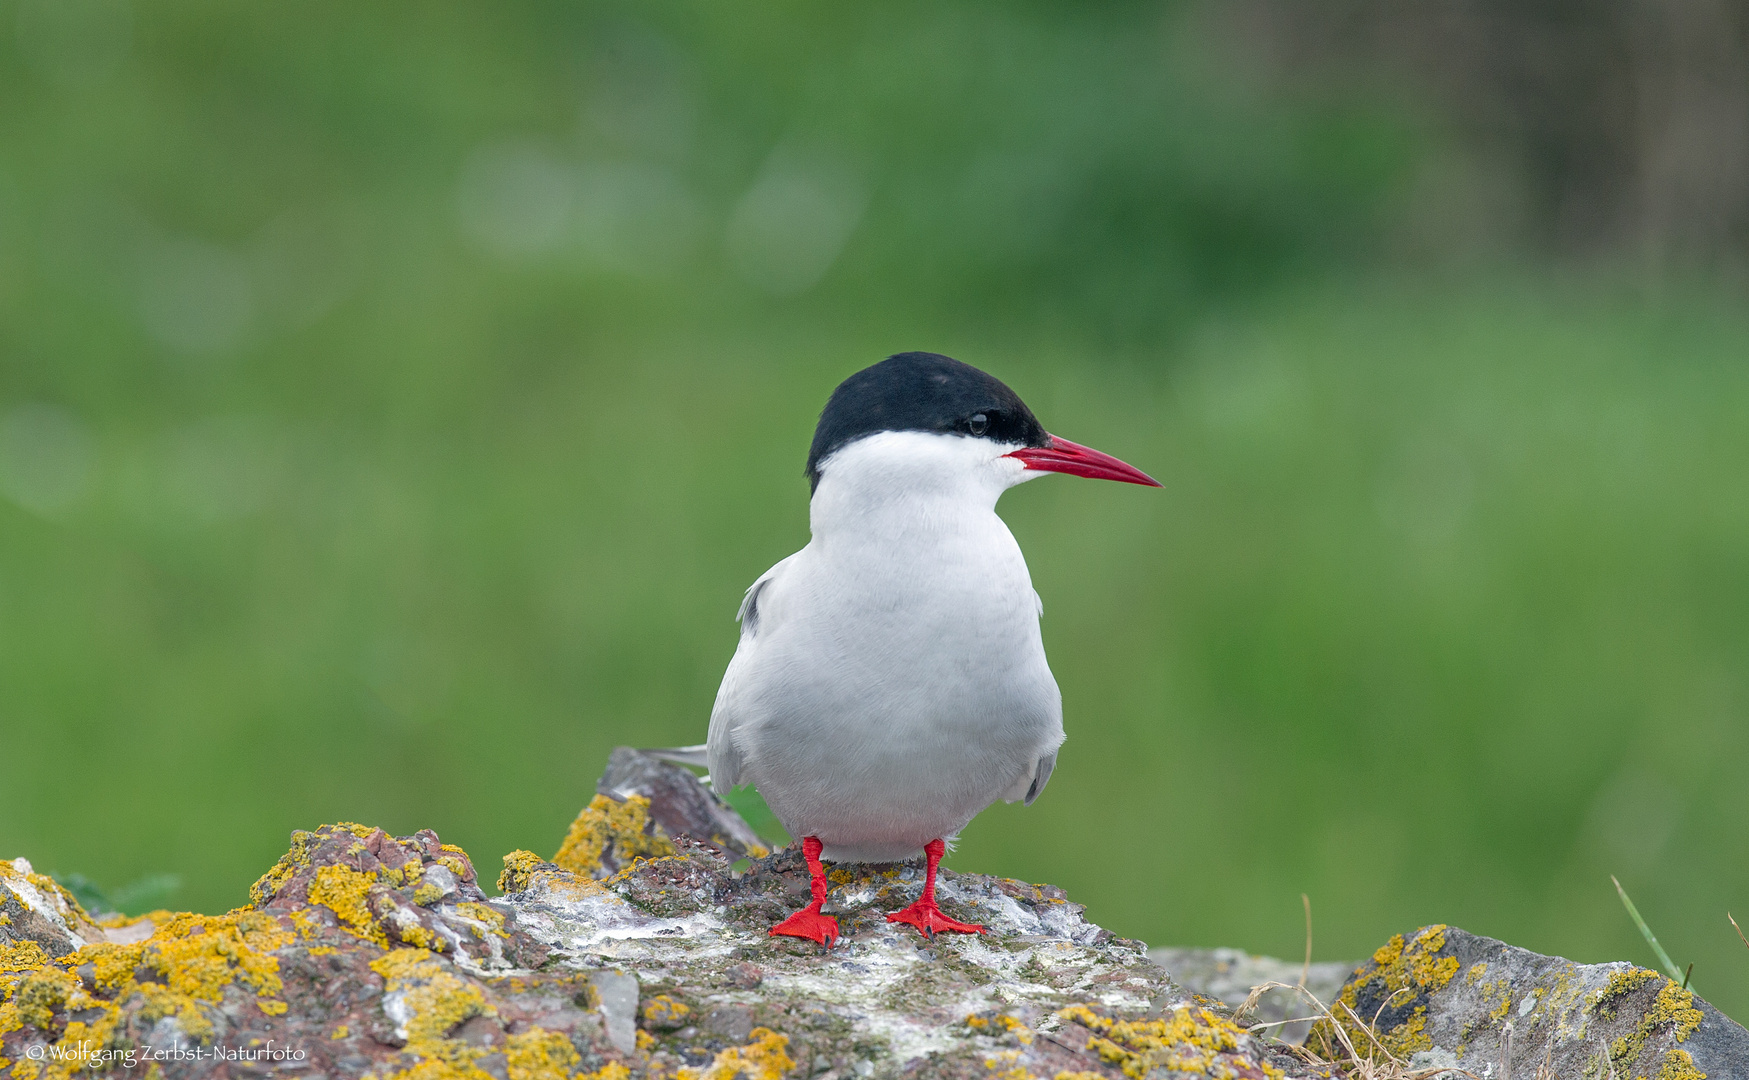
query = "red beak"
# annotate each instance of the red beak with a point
(1066, 457)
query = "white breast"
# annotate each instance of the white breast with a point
(891, 681)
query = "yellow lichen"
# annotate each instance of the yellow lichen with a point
(41, 994)
(1622, 983)
(1673, 1009)
(1406, 970)
(1190, 1040)
(298, 858)
(411, 872)
(344, 891)
(613, 1070)
(1006, 1065)
(271, 1006)
(416, 934)
(664, 1011)
(196, 957)
(112, 965)
(491, 917)
(437, 1000)
(200, 955)
(765, 1058)
(161, 1001)
(518, 872)
(1679, 1065)
(538, 1054)
(604, 823)
(645, 1040)
(427, 894)
(341, 1032)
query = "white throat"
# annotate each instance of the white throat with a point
(911, 480)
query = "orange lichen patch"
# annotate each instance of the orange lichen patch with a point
(1406, 970)
(1190, 1040)
(625, 827)
(538, 1054)
(613, 1070)
(345, 891)
(765, 1058)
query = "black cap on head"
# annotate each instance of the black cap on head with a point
(920, 391)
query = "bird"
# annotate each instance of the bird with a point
(890, 679)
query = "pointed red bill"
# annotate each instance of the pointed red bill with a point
(1066, 457)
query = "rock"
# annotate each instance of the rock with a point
(641, 805)
(1229, 975)
(1444, 997)
(368, 954)
(364, 953)
(679, 804)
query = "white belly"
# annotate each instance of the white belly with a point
(892, 690)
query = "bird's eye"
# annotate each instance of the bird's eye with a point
(979, 423)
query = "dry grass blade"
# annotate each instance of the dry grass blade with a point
(1354, 1066)
(1737, 928)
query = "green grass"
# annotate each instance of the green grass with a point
(1442, 614)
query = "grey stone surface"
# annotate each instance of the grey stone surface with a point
(1443, 996)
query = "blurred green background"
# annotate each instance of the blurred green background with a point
(396, 399)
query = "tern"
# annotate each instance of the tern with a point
(890, 681)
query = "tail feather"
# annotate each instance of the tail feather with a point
(680, 755)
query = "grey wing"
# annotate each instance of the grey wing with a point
(1041, 776)
(723, 754)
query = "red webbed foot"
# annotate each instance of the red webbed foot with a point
(927, 917)
(809, 923)
(924, 914)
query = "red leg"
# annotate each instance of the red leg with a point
(924, 915)
(808, 922)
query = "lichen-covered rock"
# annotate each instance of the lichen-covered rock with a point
(1444, 997)
(365, 954)
(678, 803)
(1230, 975)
